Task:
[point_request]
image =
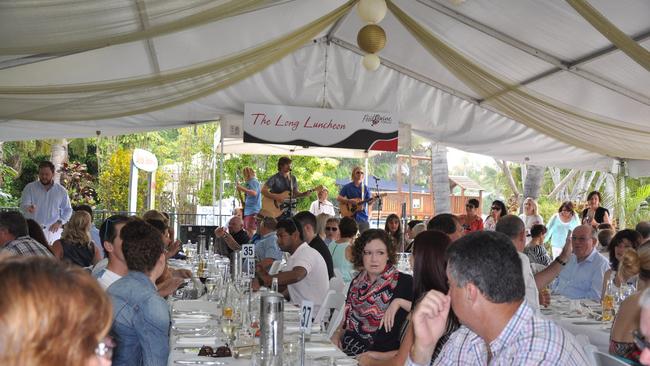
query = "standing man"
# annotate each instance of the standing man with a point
(279, 186)
(47, 202)
(253, 200)
(322, 204)
(352, 194)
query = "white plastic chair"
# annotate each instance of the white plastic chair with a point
(335, 320)
(604, 359)
(275, 267)
(337, 285)
(338, 273)
(333, 301)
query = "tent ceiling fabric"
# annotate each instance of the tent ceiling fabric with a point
(523, 40)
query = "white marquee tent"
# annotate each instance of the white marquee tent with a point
(74, 69)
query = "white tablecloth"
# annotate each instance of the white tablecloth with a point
(597, 331)
(319, 346)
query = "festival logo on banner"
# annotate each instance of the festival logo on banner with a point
(286, 125)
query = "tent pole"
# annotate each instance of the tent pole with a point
(221, 180)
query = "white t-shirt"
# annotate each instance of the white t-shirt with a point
(318, 208)
(315, 285)
(107, 278)
(532, 295)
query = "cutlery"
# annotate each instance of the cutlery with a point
(198, 362)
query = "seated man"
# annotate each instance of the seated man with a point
(498, 326)
(448, 224)
(14, 236)
(305, 276)
(307, 222)
(640, 338)
(515, 229)
(233, 239)
(582, 276)
(115, 267)
(140, 316)
(266, 249)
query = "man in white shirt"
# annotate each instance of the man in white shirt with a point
(514, 228)
(114, 267)
(47, 202)
(305, 276)
(322, 204)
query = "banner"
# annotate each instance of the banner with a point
(301, 126)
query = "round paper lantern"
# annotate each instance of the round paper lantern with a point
(371, 38)
(372, 11)
(371, 62)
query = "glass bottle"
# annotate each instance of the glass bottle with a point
(608, 301)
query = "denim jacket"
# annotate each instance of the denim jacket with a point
(141, 322)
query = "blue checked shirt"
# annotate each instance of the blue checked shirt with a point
(526, 340)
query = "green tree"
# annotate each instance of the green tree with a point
(114, 183)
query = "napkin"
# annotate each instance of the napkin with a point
(207, 340)
(185, 320)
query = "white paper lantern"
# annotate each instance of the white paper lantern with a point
(372, 11)
(371, 62)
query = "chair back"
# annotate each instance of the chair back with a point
(333, 302)
(337, 285)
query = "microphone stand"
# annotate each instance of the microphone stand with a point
(290, 195)
(379, 199)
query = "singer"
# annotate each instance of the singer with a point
(357, 196)
(281, 183)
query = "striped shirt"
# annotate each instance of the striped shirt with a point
(25, 246)
(527, 339)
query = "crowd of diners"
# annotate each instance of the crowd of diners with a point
(473, 297)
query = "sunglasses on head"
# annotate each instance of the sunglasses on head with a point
(331, 229)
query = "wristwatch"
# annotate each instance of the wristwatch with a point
(560, 261)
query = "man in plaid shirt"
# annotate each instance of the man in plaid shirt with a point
(14, 236)
(486, 292)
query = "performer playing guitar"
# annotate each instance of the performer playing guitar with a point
(280, 187)
(356, 196)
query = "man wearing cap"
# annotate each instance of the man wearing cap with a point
(322, 204)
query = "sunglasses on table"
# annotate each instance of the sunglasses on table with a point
(640, 341)
(331, 229)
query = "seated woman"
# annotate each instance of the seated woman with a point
(471, 220)
(75, 245)
(535, 249)
(497, 211)
(621, 339)
(52, 314)
(623, 240)
(429, 270)
(341, 250)
(393, 227)
(371, 292)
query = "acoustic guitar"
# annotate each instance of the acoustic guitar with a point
(277, 207)
(356, 204)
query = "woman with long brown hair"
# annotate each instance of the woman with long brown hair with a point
(75, 245)
(52, 314)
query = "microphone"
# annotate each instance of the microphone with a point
(374, 177)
